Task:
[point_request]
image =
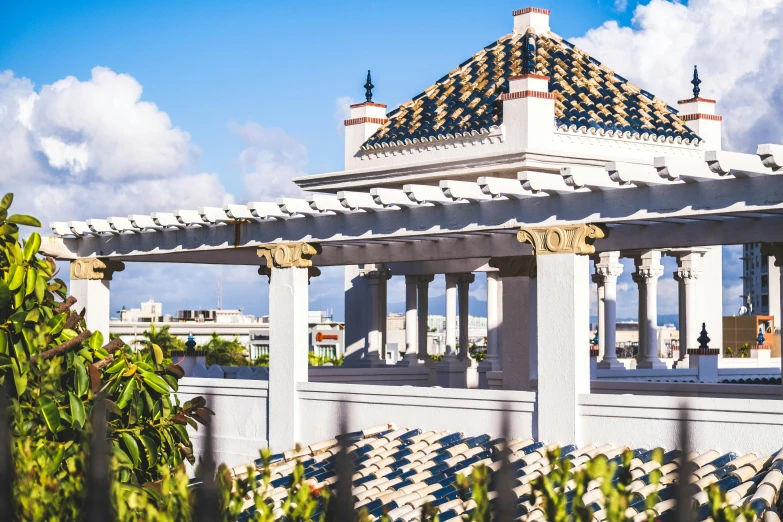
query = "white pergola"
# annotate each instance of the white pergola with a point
(453, 227)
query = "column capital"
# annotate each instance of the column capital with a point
(645, 274)
(688, 275)
(288, 255)
(424, 280)
(563, 239)
(312, 272)
(96, 269)
(607, 272)
(775, 250)
(375, 276)
(519, 266)
(465, 279)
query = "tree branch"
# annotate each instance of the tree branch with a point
(66, 347)
(73, 319)
(65, 305)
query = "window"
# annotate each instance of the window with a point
(764, 281)
(764, 300)
(765, 261)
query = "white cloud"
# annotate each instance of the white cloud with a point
(78, 149)
(620, 5)
(734, 43)
(342, 111)
(270, 160)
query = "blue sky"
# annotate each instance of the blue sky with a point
(249, 94)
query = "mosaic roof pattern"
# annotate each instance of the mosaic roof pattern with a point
(397, 470)
(588, 95)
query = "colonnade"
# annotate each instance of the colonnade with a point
(691, 295)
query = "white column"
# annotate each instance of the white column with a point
(288, 339)
(776, 250)
(423, 284)
(491, 362)
(598, 280)
(608, 269)
(648, 270)
(411, 322)
(563, 357)
(463, 287)
(450, 372)
(90, 285)
(375, 352)
(687, 275)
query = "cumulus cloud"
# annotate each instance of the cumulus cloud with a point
(735, 43)
(77, 149)
(270, 160)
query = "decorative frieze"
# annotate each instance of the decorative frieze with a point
(519, 266)
(93, 268)
(288, 255)
(563, 239)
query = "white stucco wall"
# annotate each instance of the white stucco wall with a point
(472, 412)
(741, 425)
(241, 416)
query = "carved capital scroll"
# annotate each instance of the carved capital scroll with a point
(563, 239)
(312, 272)
(519, 266)
(288, 255)
(93, 268)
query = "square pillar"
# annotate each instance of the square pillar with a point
(563, 355)
(463, 291)
(289, 268)
(776, 250)
(423, 286)
(90, 285)
(491, 362)
(648, 270)
(563, 319)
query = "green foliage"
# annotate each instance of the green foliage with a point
(224, 352)
(54, 383)
(163, 339)
(437, 357)
(319, 360)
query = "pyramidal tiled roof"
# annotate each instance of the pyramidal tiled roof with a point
(397, 470)
(588, 94)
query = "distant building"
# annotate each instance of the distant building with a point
(326, 335)
(760, 283)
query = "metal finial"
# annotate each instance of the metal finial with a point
(696, 81)
(190, 344)
(760, 339)
(368, 87)
(704, 340)
(529, 53)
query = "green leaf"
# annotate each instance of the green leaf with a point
(3, 341)
(112, 407)
(116, 367)
(50, 414)
(5, 294)
(56, 324)
(6, 201)
(96, 340)
(22, 219)
(19, 352)
(127, 394)
(132, 447)
(5, 361)
(77, 410)
(40, 288)
(157, 353)
(172, 381)
(175, 370)
(150, 449)
(17, 277)
(67, 333)
(80, 378)
(29, 281)
(20, 379)
(155, 382)
(32, 245)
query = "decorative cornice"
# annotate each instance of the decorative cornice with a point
(365, 119)
(647, 137)
(701, 116)
(367, 104)
(528, 76)
(491, 135)
(527, 94)
(694, 100)
(687, 274)
(95, 269)
(644, 274)
(608, 272)
(288, 255)
(519, 266)
(563, 239)
(527, 10)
